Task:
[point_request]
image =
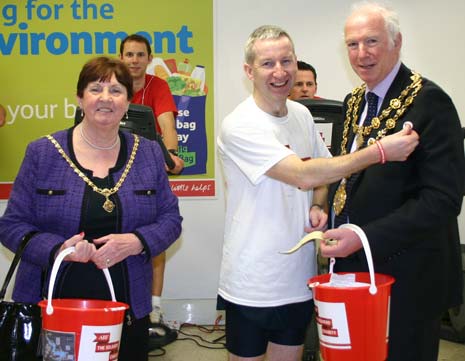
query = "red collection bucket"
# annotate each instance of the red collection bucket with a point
(78, 329)
(353, 321)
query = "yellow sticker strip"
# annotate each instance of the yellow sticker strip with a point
(313, 236)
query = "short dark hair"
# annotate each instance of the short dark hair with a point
(137, 38)
(101, 69)
(302, 65)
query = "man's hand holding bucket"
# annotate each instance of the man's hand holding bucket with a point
(347, 243)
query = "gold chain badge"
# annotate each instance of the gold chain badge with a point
(397, 106)
(108, 205)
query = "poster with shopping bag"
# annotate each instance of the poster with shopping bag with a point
(190, 125)
(60, 36)
(187, 85)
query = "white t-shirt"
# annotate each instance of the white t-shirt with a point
(265, 216)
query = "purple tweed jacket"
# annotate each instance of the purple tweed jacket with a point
(47, 196)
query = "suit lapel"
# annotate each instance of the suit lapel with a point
(400, 82)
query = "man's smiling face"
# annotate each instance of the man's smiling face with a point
(372, 52)
(272, 72)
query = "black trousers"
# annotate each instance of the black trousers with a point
(414, 340)
(134, 340)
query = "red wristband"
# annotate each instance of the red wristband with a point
(381, 152)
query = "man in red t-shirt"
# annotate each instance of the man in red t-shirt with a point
(150, 90)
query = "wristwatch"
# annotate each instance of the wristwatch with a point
(173, 151)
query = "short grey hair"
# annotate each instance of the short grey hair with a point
(390, 16)
(264, 32)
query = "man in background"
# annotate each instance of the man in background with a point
(152, 91)
(408, 210)
(305, 85)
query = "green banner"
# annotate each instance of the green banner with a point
(44, 44)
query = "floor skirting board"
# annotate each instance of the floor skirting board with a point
(194, 311)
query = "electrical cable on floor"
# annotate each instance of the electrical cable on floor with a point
(157, 352)
(214, 344)
(222, 347)
(197, 339)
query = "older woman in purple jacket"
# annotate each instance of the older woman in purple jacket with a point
(102, 191)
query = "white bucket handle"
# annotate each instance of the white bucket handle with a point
(56, 266)
(366, 246)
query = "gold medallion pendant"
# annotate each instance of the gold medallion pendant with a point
(340, 197)
(359, 140)
(108, 205)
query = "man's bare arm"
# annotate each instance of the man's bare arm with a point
(320, 171)
(170, 139)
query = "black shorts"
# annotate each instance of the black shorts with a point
(249, 329)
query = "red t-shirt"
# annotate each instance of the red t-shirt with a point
(157, 95)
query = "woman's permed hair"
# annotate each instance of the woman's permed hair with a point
(101, 69)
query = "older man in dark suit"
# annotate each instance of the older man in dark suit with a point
(408, 210)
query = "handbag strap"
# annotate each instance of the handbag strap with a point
(14, 263)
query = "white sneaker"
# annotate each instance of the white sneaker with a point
(156, 316)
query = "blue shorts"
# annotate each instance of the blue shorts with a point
(249, 329)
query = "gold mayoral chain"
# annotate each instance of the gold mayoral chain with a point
(397, 105)
(108, 205)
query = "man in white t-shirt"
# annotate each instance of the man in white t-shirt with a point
(276, 167)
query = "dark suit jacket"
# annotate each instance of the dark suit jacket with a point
(409, 209)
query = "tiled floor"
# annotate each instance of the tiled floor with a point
(187, 348)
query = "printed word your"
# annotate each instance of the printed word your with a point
(29, 111)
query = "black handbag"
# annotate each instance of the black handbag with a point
(20, 323)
